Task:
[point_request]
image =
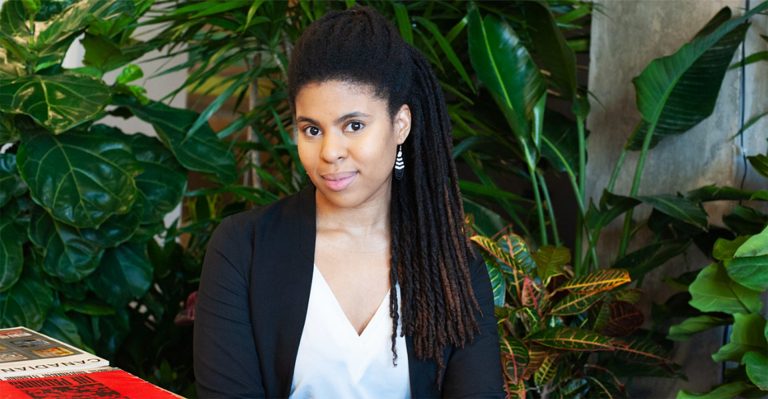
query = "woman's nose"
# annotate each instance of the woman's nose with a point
(333, 147)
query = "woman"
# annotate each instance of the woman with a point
(363, 285)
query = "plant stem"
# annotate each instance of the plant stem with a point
(578, 245)
(625, 234)
(616, 169)
(550, 208)
(537, 197)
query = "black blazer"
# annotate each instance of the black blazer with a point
(252, 303)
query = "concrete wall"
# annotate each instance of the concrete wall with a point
(626, 36)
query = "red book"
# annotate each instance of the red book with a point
(108, 383)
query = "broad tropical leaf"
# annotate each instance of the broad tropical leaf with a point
(198, 150)
(756, 245)
(746, 336)
(725, 391)
(11, 249)
(679, 208)
(59, 326)
(125, 273)
(573, 339)
(726, 249)
(10, 183)
(521, 255)
(759, 163)
(749, 271)
(611, 206)
(504, 65)
(645, 259)
(498, 285)
(162, 182)
(757, 368)
(26, 303)
(714, 291)
(597, 281)
(694, 325)
(58, 102)
(68, 255)
(672, 94)
(81, 179)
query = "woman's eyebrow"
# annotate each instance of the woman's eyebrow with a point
(351, 115)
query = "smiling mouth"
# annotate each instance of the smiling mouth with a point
(338, 181)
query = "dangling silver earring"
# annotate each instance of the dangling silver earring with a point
(399, 163)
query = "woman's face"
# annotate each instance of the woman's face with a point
(348, 142)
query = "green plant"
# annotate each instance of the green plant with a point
(672, 97)
(728, 293)
(81, 203)
(553, 324)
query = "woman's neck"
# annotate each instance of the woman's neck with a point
(369, 220)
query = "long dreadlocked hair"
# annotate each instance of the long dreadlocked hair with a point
(429, 251)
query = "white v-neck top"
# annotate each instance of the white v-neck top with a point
(335, 362)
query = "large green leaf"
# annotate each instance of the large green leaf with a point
(756, 245)
(551, 48)
(641, 350)
(59, 326)
(573, 339)
(757, 368)
(759, 163)
(68, 255)
(611, 206)
(10, 183)
(679, 208)
(746, 336)
(12, 239)
(162, 182)
(506, 68)
(714, 291)
(725, 391)
(514, 356)
(560, 143)
(125, 273)
(26, 303)
(694, 325)
(199, 150)
(81, 179)
(744, 220)
(498, 285)
(645, 259)
(725, 249)
(749, 271)
(58, 102)
(676, 92)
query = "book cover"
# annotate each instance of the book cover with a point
(108, 383)
(24, 351)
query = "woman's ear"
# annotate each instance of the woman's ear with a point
(402, 123)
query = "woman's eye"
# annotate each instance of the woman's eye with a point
(355, 126)
(311, 131)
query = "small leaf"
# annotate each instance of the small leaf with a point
(547, 370)
(572, 339)
(625, 318)
(498, 285)
(725, 249)
(746, 336)
(514, 357)
(757, 368)
(129, 74)
(641, 350)
(550, 261)
(694, 325)
(714, 291)
(575, 303)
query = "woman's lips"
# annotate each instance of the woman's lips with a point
(338, 181)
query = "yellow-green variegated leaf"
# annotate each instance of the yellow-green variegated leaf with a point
(58, 102)
(514, 357)
(572, 339)
(598, 281)
(494, 249)
(547, 369)
(642, 350)
(575, 303)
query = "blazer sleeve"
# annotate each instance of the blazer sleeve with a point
(474, 371)
(225, 360)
